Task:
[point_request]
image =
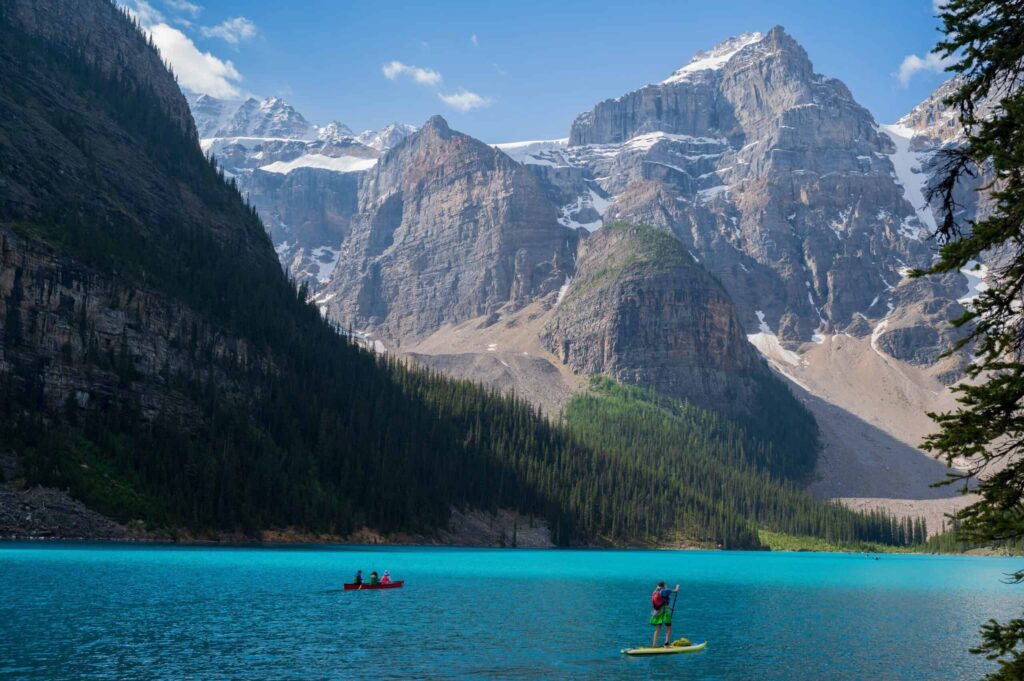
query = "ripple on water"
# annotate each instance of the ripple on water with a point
(114, 611)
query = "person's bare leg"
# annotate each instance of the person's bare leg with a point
(657, 630)
(668, 633)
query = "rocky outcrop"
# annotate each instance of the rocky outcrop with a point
(72, 335)
(43, 513)
(448, 229)
(308, 213)
(641, 310)
(933, 122)
(772, 175)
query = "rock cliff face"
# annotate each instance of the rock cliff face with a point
(772, 175)
(642, 311)
(74, 335)
(308, 213)
(448, 229)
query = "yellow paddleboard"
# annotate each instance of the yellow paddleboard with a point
(666, 651)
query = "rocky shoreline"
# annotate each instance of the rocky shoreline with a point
(46, 513)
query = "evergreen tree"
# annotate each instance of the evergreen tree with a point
(986, 39)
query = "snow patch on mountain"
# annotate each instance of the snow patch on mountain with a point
(646, 141)
(711, 193)
(908, 166)
(216, 144)
(600, 203)
(564, 289)
(590, 200)
(339, 164)
(536, 152)
(325, 259)
(767, 343)
(715, 58)
(976, 274)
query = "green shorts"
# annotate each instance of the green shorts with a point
(663, 616)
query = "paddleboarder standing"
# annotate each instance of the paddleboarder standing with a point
(663, 606)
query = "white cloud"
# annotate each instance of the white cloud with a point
(464, 100)
(913, 64)
(938, 5)
(144, 13)
(232, 31)
(473, 40)
(184, 6)
(196, 70)
(392, 70)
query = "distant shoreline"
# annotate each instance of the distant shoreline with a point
(313, 543)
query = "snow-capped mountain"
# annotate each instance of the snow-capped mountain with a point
(769, 173)
(302, 178)
(334, 132)
(386, 137)
(268, 118)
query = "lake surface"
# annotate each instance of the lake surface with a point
(114, 611)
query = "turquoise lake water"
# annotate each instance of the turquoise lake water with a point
(115, 611)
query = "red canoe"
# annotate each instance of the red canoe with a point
(367, 587)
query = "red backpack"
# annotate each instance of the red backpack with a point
(657, 601)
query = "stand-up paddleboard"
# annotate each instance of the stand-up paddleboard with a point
(665, 650)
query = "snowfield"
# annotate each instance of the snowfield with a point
(339, 164)
(908, 173)
(714, 59)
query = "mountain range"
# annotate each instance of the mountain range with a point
(800, 217)
(220, 317)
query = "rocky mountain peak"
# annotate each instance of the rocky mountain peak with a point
(267, 118)
(387, 137)
(933, 123)
(437, 125)
(334, 131)
(448, 229)
(714, 58)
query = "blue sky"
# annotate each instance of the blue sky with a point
(517, 70)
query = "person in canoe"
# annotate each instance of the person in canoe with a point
(374, 579)
(358, 578)
(386, 579)
(661, 612)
